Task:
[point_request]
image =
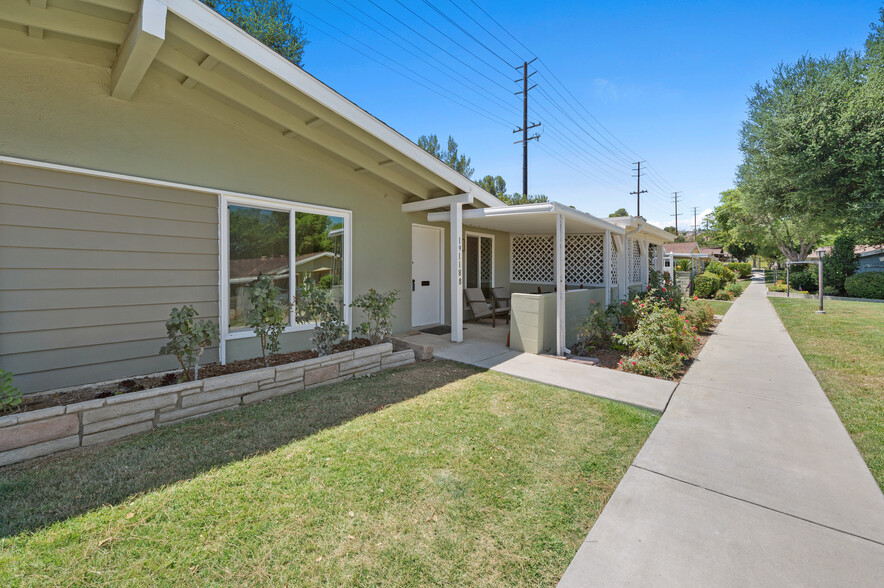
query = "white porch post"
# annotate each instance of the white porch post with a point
(456, 272)
(560, 284)
(622, 277)
(643, 247)
(606, 266)
(672, 267)
(659, 259)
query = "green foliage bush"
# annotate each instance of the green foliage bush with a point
(660, 289)
(188, 339)
(683, 265)
(804, 279)
(699, 314)
(661, 341)
(840, 263)
(865, 285)
(706, 285)
(313, 304)
(598, 328)
(724, 295)
(10, 396)
(831, 291)
(743, 269)
(735, 289)
(378, 309)
(268, 316)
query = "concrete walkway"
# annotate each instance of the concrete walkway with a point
(749, 479)
(485, 347)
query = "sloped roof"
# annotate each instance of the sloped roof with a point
(683, 248)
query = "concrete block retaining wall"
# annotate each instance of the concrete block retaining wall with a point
(41, 432)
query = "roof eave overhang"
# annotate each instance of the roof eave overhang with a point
(213, 24)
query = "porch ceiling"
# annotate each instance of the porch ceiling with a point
(535, 219)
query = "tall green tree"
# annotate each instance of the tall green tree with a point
(517, 198)
(494, 185)
(269, 21)
(452, 157)
(619, 212)
(813, 150)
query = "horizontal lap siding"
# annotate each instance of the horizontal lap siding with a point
(89, 270)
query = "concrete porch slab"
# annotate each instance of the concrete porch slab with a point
(485, 346)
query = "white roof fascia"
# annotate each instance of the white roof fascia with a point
(213, 24)
(543, 208)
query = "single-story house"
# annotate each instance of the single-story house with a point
(718, 254)
(673, 252)
(870, 257)
(154, 155)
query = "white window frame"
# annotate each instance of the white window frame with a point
(464, 255)
(224, 202)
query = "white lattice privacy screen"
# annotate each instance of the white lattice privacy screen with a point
(584, 259)
(533, 259)
(485, 255)
(614, 258)
(634, 263)
(652, 256)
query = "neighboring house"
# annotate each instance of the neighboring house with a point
(718, 254)
(870, 257)
(153, 155)
(686, 250)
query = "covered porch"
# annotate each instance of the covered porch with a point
(561, 261)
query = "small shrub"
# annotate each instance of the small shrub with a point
(724, 295)
(715, 267)
(683, 265)
(597, 329)
(699, 314)
(865, 285)
(188, 339)
(313, 304)
(10, 396)
(743, 269)
(624, 314)
(735, 289)
(268, 316)
(831, 290)
(804, 279)
(660, 343)
(706, 285)
(378, 308)
(660, 289)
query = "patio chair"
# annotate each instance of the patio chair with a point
(500, 297)
(480, 307)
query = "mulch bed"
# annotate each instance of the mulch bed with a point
(211, 370)
(610, 358)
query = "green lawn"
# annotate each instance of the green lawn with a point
(845, 350)
(719, 306)
(437, 474)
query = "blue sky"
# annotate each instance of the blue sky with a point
(668, 80)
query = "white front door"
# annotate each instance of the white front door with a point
(426, 275)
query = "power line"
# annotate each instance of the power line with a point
(464, 31)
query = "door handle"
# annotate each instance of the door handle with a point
(412, 285)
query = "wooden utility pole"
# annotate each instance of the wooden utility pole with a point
(675, 196)
(638, 189)
(525, 127)
(695, 223)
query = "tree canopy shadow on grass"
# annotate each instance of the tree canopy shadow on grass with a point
(39, 492)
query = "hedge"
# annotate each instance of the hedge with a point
(805, 279)
(742, 268)
(865, 285)
(706, 285)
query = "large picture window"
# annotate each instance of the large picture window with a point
(258, 244)
(289, 242)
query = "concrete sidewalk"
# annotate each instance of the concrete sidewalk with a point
(486, 347)
(748, 479)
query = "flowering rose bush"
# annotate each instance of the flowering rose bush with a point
(699, 314)
(660, 342)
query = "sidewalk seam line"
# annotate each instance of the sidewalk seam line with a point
(743, 500)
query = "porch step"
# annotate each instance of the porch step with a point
(422, 352)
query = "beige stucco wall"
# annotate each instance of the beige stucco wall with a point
(533, 323)
(57, 109)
